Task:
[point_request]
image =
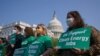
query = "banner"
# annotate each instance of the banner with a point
(77, 38)
(19, 51)
(0, 52)
(31, 50)
(12, 38)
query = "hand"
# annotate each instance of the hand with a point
(12, 45)
(56, 48)
(77, 51)
(41, 55)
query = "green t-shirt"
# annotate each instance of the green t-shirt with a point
(36, 47)
(28, 41)
(1, 46)
(2, 49)
(46, 43)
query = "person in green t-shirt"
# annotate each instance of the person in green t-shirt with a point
(43, 38)
(15, 40)
(75, 21)
(29, 37)
(3, 46)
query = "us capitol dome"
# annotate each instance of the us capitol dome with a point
(55, 26)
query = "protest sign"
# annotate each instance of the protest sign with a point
(77, 38)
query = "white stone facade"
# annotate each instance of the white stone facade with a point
(8, 29)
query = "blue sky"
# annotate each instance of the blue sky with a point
(41, 11)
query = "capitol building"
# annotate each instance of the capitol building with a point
(54, 28)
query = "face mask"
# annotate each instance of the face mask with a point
(14, 31)
(70, 21)
(23, 33)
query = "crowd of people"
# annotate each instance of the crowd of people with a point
(73, 20)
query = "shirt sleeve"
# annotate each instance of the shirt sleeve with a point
(48, 42)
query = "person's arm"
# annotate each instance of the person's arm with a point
(47, 52)
(95, 42)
